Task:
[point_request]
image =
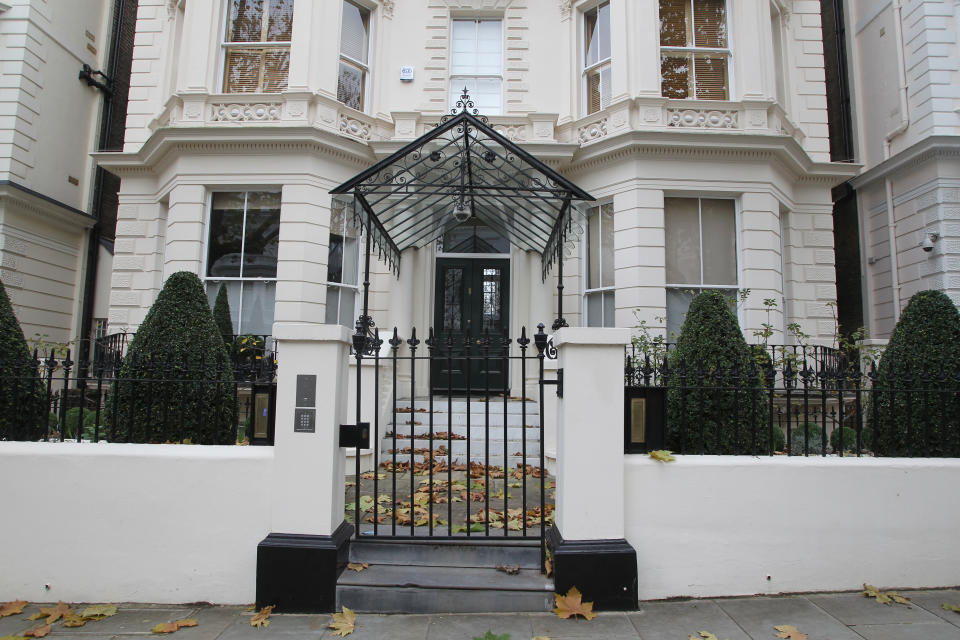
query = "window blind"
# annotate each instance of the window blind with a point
(354, 32)
(673, 23)
(710, 72)
(709, 23)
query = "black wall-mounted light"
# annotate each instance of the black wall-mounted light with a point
(90, 74)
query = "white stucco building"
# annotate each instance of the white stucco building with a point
(704, 142)
(904, 62)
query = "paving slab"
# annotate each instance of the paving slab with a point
(672, 620)
(289, 625)
(469, 626)
(933, 602)
(15, 624)
(854, 608)
(129, 619)
(607, 625)
(758, 616)
(386, 627)
(909, 631)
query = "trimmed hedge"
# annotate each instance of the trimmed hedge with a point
(176, 381)
(23, 400)
(731, 412)
(221, 315)
(924, 344)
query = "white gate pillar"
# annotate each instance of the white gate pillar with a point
(587, 539)
(299, 562)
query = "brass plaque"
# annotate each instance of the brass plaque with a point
(638, 420)
(261, 417)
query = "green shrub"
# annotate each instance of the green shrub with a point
(779, 440)
(176, 374)
(733, 410)
(73, 417)
(23, 398)
(814, 439)
(925, 342)
(221, 314)
(850, 440)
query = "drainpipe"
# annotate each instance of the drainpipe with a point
(904, 124)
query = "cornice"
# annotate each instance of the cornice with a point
(38, 203)
(711, 145)
(165, 142)
(927, 149)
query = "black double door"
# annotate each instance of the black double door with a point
(471, 318)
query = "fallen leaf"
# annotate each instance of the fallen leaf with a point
(884, 597)
(542, 638)
(663, 455)
(259, 620)
(343, 623)
(510, 570)
(571, 605)
(171, 627)
(99, 611)
(252, 607)
(52, 614)
(39, 632)
(950, 607)
(705, 635)
(490, 635)
(789, 632)
(73, 620)
(11, 608)
(357, 566)
(459, 528)
(366, 503)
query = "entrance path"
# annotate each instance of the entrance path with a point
(836, 616)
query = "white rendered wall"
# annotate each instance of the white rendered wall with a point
(720, 525)
(134, 523)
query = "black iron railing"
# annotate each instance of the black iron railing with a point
(191, 400)
(246, 349)
(812, 405)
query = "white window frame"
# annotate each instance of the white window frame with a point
(585, 270)
(341, 286)
(738, 249)
(226, 46)
(243, 242)
(781, 54)
(453, 88)
(364, 67)
(727, 52)
(595, 66)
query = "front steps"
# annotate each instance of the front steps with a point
(441, 576)
(489, 426)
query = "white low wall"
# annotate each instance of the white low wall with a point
(132, 523)
(720, 525)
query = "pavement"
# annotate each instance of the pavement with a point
(829, 616)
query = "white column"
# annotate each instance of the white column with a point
(590, 489)
(309, 467)
(185, 230)
(200, 37)
(639, 257)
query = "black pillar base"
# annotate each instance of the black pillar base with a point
(298, 573)
(604, 571)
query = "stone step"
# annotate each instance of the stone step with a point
(443, 553)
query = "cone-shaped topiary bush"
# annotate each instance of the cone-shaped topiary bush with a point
(221, 314)
(23, 414)
(176, 382)
(916, 388)
(715, 391)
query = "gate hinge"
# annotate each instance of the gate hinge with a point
(558, 382)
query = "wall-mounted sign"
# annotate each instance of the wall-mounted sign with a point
(406, 74)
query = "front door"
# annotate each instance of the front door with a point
(471, 309)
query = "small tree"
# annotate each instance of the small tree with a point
(176, 380)
(23, 413)
(715, 386)
(916, 387)
(221, 314)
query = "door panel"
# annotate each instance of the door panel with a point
(472, 303)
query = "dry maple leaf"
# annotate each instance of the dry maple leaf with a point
(259, 620)
(358, 566)
(11, 608)
(343, 623)
(946, 606)
(39, 632)
(571, 605)
(510, 570)
(52, 614)
(663, 455)
(99, 611)
(73, 620)
(884, 597)
(704, 635)
(789, 632)
(542, 638)
(171, 627)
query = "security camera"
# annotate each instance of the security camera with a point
(928, 240)
(461, 213)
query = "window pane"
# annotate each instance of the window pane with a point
(593, 250)
(262, 235)
(226, 235)
(674, 76)
(351, 260)
(453, 300)
(609, 309)
(606, 243)
(332, 313)
(354, 32)
(490, 312)
(603, 27)
(591, 45)
(233, 298)
(710, 72)
(709, 23)
(678, 301)
(595, 309)
(719, 242)
(246, 21)
(605, 87)
(335, 258)
(593, 91)
(350, 86)
(275, 71)
(673, 23)
(486, 96)
(474, 237)
(242, 73)
(682, 227)
(258, 303)
(281, 21)
(348, 299)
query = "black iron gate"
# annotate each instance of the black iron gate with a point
(454, 463)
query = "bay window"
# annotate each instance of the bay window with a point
(343, 267)
(694, 53)
(598, 296)
(257, 46)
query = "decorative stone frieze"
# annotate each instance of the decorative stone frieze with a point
(258, 112)
(354, 127)
(513, 132)
(592, 131)
(703, 118)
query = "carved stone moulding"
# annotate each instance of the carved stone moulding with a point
(703, 118)
(354, 127)
(592, 131)
(244, 112)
